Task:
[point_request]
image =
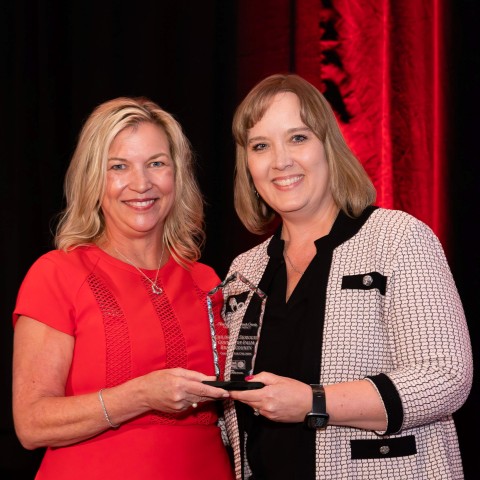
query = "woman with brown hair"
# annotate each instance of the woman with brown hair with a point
(363, 346)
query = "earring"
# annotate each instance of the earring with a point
(256, 193)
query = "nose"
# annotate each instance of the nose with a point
(282, 157)
(140, 180)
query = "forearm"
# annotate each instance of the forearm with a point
(355, 404)
(351, 404)
(57, 421)
(43, 419)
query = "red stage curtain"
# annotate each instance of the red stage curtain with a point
(380, 64)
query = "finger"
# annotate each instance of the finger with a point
(265, 377)
(198, 378)
(248, 395)
(206, 392)
(191, 374)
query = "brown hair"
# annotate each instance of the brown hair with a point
(351, 188)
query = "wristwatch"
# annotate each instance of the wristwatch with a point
(318, 417)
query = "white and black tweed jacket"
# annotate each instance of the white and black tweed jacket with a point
(414, 332)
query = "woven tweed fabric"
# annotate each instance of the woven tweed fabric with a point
(415, 333)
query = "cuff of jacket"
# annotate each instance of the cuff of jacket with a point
(391, 401)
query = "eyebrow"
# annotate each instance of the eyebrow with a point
(153, 157)
(290, 130)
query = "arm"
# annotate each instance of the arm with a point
(44, 416)
(287, 400)
(428, 333)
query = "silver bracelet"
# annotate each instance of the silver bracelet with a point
(107, 418)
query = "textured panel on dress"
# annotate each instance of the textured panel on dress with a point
(175, 346)
(118, 367)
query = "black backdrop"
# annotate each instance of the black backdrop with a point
(60, 59)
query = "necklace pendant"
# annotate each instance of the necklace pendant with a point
(156, 289)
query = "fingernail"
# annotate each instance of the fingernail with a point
(248, 377)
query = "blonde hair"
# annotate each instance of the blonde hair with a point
(350, 185)
(82, 222)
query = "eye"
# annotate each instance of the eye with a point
(299, 138)
(258, 147)
(157, 163)
(118, 166)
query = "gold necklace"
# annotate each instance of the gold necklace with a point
(155, 288)
(291, 264)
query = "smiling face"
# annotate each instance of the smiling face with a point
(140, 182)
(287, 162)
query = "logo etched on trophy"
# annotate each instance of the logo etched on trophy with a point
(244, 354)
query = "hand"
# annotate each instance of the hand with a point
(177, 389)
(282, 399)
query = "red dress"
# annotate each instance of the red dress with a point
(123, 330)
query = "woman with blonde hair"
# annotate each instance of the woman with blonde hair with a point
(363, 347)
(112, 333)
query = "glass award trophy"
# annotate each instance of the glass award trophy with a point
(245, 351)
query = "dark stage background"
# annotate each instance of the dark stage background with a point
(61, 59)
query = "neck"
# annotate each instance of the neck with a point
(141, 253)
(300, 232)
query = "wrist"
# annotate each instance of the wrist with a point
(318, 417)
(105, 411)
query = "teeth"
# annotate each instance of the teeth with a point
(284, 182)
(144, 203)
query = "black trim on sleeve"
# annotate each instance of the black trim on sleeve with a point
(391, 400)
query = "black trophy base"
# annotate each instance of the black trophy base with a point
(235, 385)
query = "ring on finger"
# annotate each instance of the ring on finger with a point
(256, 412)
(194, 405)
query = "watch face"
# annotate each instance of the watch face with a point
(317, 420)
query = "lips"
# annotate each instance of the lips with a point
(139, 203)
(287, 181)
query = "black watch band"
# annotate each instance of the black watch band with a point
(318, 417)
